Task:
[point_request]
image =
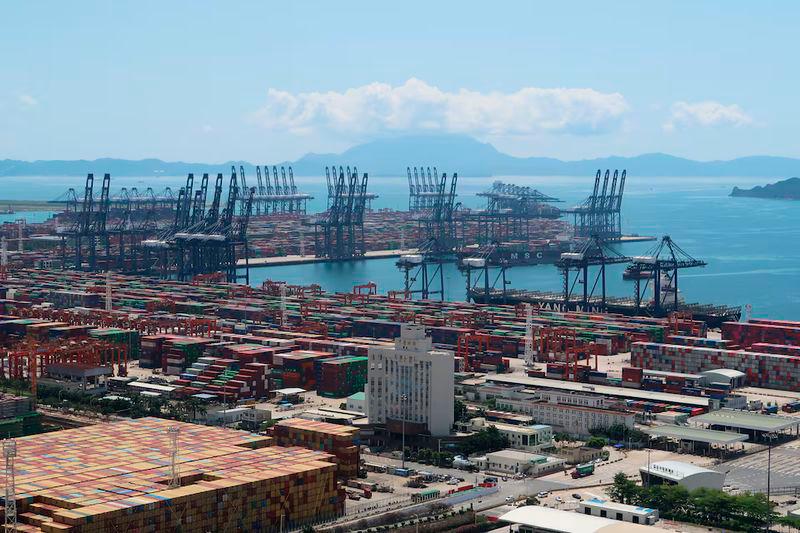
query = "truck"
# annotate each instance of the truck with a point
(791, 407)
(586, 469)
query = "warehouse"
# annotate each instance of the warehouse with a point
(698, 440)
(755, 425)
(604, 390)
(685, 474)
(117, 477)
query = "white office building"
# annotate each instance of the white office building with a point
(572, 419)
(517, 462)
(411, 385)
(634, 514)
(527, 438)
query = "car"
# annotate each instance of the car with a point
(453, 482)
(577, 496)
(558, 499)
(543, 494)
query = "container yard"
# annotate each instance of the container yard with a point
(120, 477)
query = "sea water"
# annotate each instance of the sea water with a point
(750, 244)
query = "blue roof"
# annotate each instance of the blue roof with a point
(357, 396)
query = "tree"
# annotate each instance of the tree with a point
(623, 490)
(596, 442)
(531, 500)
(460, 411)
(490, 403)
(486, 440)
(194, 407)
(425, 455)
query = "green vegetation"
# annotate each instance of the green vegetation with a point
(620, 433)
(486, 440)
(596, 442)
(430, 457)
(460, 411)
(134, 406)
(744, 512)
(561, 437)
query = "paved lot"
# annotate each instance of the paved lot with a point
(515, 488)
(750, 472)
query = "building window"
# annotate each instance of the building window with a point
(603, 513)
(635, 519)
(586, 510)
(619, 516)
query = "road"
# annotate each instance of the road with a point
(515, 488)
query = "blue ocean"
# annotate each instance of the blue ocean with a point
(750, 244)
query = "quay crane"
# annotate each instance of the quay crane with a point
(663, 262)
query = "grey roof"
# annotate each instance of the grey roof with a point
(746, 420)
(607, 390)
(696, 434)
(729, 372)
(676, 470)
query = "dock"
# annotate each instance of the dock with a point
(635, 238)
(308, 259)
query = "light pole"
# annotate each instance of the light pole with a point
(770, 436)
(403, 400)
(648, 462)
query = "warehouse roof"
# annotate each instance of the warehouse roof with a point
(734, 418)
(558, 521)
(731, 373)
(606, 390)
(696, 434)
(675, 470)
(290, 391)
(616, 506)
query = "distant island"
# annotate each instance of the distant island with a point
(788, 189)
(389, 157)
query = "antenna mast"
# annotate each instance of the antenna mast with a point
(175, 478)
(529, 356)
(10, 501)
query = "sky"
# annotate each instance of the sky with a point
(270, 81)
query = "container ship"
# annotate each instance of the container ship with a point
(713, 315)
(518, 253)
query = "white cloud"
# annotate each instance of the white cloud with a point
(418, 106)
(27, 101)
(708, 113)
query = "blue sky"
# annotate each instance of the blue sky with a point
(270, 81)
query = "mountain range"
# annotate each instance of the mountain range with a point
(449, 153)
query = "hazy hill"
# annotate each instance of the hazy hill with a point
(788, 189)
(391, 156)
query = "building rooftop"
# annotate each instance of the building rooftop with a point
(606, 390)
(558, 521)
(734, 418)
(729, 372)
(675, 470)
(518, 455)
(358, 396)
(615, 506)
(708, 436)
